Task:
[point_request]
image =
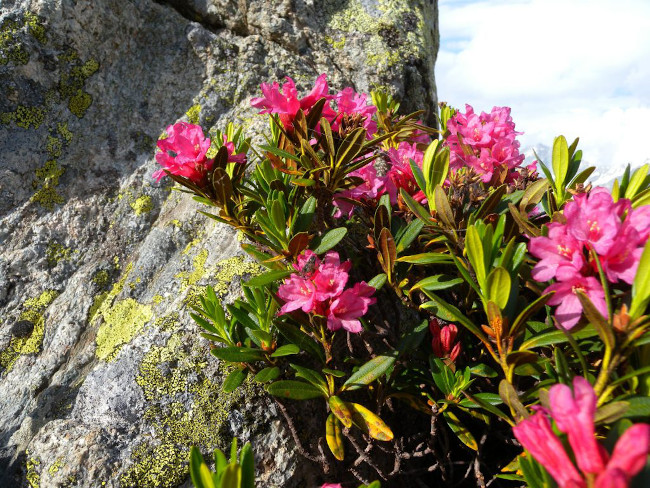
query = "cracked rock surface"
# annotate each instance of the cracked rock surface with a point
(104, 380)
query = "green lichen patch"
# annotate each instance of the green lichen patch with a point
(101, 278)
(168, 376)
(193, 114)
(54, 147)
(79, 103)
(121, 320)
(45, 182)
(189, 278)
(142, 205)
(25, 117)
(32, 476)
(12, 38)
(64, 132)
(228, 269)
(55, 253)
(56, 465)
(32, 312)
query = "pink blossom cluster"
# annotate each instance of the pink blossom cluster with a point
(486, 143)
(574, 413)
(400, 175)
(285, 102)
(444, 342)
(184, 152)
(614, 230)
(319, 288)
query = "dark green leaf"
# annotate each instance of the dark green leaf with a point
(286, 350)
(238, 354)
(234, 380)
(267, 374)
(295, 390)
(322, 244)
(269, 277)
(369, 372)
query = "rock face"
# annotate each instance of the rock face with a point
(104, 380)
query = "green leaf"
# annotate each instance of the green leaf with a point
(498, 286)
(641, 285)
(443, 209)
(231, 477)
(314, 377)
(436, 282)
(295, 390)
(412, 231)
(238, 354)
(220, 461)
(483, 370)
(639, 407)
(556, 337)
(425, 258)
(369, 372)
(322, 244)
(474, 248)
(294, 335)
(418, 210)
(463, 434)
(279, 152)
(412, 337)
(595, 318)
(450, 313)
(560, 162)
(334, 437)
(269, 277)
(196, 461)
(267, 374)
(305, 216)
(247, 462)
(441, 374)
(234, 380)
(286, 350)
(417, 174)
(527, 312)
(378, 281)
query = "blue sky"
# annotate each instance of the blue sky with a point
(572, 67)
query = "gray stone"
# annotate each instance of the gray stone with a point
(112, 384)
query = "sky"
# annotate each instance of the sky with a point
(580, 68)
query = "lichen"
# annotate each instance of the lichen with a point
(186, 408)
(189, 278)
(193, 114)
(45, 182)
(33, 309)
(101, 278)
(32, 476)
(121, 320)
(142, 205)
(228, 269)
(62, 129)
(55, 253)
(54, 147)
(79, 103)
(58, 464)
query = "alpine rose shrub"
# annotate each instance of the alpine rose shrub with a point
(469, 261)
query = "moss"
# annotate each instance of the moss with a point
(101, 278)
(45, 183)
(33, 309)
(55, 253)
(35, 27)
(79, 103)
(27, 117)
(168, 376)
(193, 114)
(32, 476)
(142, 205)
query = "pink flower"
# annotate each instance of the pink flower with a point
(592, 219)
(183, 152)
(350, 103)
(298, 292)
(286, 103)
(344, 311)
(443, 340)
(570, 309)
(401, 175)
(230, 147)
(331, 277)
(537, 437)
(628, 459)
(574, 413)
(370, 189)
(558, 249)
(332, 485)
(485, 143)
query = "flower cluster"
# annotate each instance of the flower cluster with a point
(613, 230)
(319, 287)
(574, 413)
(184, 153)
(285, 102)
(444, 343)
(401, 175)
(486, 143)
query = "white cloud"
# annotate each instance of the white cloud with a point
(573, 67)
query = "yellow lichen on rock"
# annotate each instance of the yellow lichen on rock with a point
(32, 312)
(142, 205)
(121, 319)
(45, 183)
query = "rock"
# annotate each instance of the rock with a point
(112, 383)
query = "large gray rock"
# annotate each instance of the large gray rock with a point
(104, 380)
